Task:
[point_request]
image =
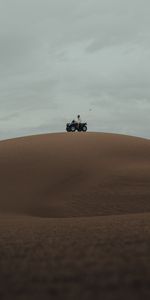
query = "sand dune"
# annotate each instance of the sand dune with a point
(65, 175)
(75, 217)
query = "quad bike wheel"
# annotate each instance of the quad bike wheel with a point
(73, 128)
(84, 128)
(68, 129)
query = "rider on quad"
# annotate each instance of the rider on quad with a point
(76, 125)
(78, 120)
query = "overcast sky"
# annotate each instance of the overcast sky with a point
(60, 58)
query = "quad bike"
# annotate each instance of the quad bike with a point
(73, 126)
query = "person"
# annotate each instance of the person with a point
(78, 120)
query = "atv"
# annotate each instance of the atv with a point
(73, 126)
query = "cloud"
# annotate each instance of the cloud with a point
(9, 117)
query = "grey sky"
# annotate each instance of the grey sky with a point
(59, 58)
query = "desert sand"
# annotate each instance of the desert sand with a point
(75, 217)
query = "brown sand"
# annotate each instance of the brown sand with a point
(75, 216)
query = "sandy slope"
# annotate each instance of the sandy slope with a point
(75, 217)
(64, 175)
